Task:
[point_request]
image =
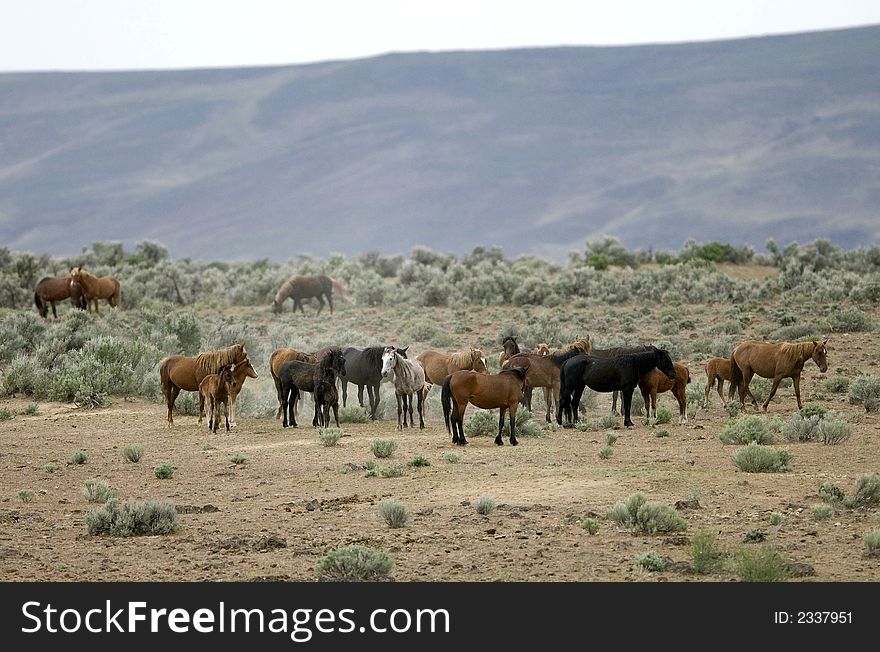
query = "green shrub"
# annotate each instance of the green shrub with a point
(867, 491)
(609, 421)
(5, 414)
(98, 492)
(134, 518)
(664, 415)
(51, 467)
(745, 430)
(482, 423)
(238, 458)
(760, 459)
(133, 452)
(762, 564)
(821, 511)
(163, 470)
(776, 518)
(526, 426)
(799, 428)
(79, 457)
(26, 495)
(661, 433)
(329, 436)
(610, 438)
(393, 512)
(872, 542)
(705, 552)
(605, 452)
(850, 320)
(485, 505)
(640, 515)
(831, 493)
(354, 414)
(651, 561)
(354, 563)
(591, 525)
(838, 384)
(452, 458)
(394, 471)
(418, 461)
(865, 391)
(813, 409)
(382, 448)
(834, 431)
(30, 410)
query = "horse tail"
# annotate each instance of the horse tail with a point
(736, 378)
(447, 401)
(165, 379)
(38, 302)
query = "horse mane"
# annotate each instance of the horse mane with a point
(519, 371)
(374, 354)
(463, 359)
(796, 352)
(559, 357)
(325, 362)
(284, 291)
(210, 361)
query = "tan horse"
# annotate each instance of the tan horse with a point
(277, 360)
(776, 361)
(438, 365)
(502, 390)
(541, 348)
(718, 369)
(95, 288)
(656, 382)
(180, 372)
(57, 288)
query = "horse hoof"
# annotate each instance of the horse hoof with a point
(500, 442)
(514, 442)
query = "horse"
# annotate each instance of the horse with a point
(180, 372)
(509, 347)
(655, 382)
(277, 359)
(95, 288)
(363, 367)
(610, 353)
(541, 348)
(502, 390)
(438, 365)
(408, 378)
(542, 371)
(621, 372)
(718, 369)
(776, 361)
(297, 376)
(326, 397)
(215, 389)
(305, 287)
(56, 288)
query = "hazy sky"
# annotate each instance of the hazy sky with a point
(122, 34)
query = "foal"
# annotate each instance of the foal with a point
(718, 369)
(216, 389)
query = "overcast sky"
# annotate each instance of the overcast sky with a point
(139, 34)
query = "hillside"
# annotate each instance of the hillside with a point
(534, 150)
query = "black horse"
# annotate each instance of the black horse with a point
(297, 376)
(620, 372)
(364, 369)
(610, 353)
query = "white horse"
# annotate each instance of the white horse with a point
(408, 378)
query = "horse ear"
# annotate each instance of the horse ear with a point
(403, 350)
(825, 341)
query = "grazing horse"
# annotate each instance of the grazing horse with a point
(621, 372)
(215, 389)
(95, 288)
(363, 367)
(305, 287)
(718, 369)
(776, 361)
(180, 372)
(408, 378)
(655, 382)
(502, 390)
(277, 359)
(438, 366)
(542, 371)
(297, 376)
(56, 288)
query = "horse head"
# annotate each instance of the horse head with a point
(276, 307)
(250, 372)
(338, 361)
(388, 361)
(227, 374)
(664, 363)
(541, 348)
(819, 355)
(478, 361)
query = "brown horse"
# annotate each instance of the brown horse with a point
(543, 371)
(776, 361)
(509, 347)
(180, 372)
(306, 287)
(243, 371)
(277, 360)
(656, 382)
(541, 348)
(502, 390)
(718, 369)
(438, 365)
(56, 288)
(95, 288)
(215, 390)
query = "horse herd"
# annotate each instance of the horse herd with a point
(82, 288)
(563, 374)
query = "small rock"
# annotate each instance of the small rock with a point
(694, 503)
(313, 504)
(799, 569)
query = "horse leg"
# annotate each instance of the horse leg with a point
(512, 409)
(397, 395)
(201, 407)
(232, 399)
(320, 305)
(721, 390)
(54, 314)
(626, 395)
(681, 396)
(336, 412)
(172, 396)
(709, 383)
(776, 381)
(278, 392)
(646, 399)
(459, 421)
(330, 301)
(344, 384)
(409, 403)
(576, 404)
(796, 381)
(420, 398)
(498, 439)
(747, 380)
(654, 401)
(226, 413)
(614, 402)
(548, 401)
(361, 397)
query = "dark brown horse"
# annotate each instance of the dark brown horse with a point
(95, 288)
(297, 376)
(277, 360)
(502, 390)
(57, 288)
(180, 372)
(776, 361)
(307, 287)
(656, 382)
(718, 369)
(543, 371)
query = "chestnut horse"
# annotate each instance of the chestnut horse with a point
(307, 287)
(95, 288)
(215, 390)
(776, 361)
(502, 390)
(277, 360)
(656, 382)
(718, 369)
(180, 372)
(56, 288)
(438, 365)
